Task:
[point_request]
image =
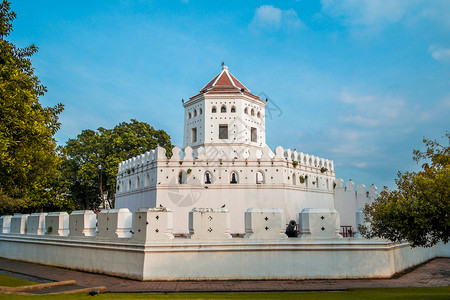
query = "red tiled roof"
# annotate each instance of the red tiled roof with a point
(225, 82)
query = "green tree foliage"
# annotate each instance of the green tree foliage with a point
(105, 148)
(418, 211)
(29, 162)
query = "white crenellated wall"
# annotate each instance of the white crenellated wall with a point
(348, 201)
(215, 254)
(288, 179)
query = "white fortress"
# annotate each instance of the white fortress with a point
(218, 210)
(226, 162)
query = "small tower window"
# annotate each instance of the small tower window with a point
(207, 178)
(253, 112)
(233, 178)
(254, 134)
(189, 115)
(258, 114)
(200, 111)
(223, 131)
(195, 113)
(223, 109)
(259, 177)
(246, 110)
(233, 109)
(194, 135)
(214, 110)
(181, 178)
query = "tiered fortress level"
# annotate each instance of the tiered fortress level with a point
(225, 162)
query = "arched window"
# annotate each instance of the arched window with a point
(223, 109)
(246, 110)
(195, 113)
(200, 111)
(118, 186)
(294, 182)
(138, 182)
(214, 110)
(253, 112)
(189, 116)
(129, 184)
(258, 114)
(147, 179)
(233, 178)
(259, 177)
(233, 109)
(181, 178)
(208, 178)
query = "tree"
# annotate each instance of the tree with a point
(418, 211)
(29, 162)
(93, 158)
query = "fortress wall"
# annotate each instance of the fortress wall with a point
(178, 182)
(347, 200)
(155, 254)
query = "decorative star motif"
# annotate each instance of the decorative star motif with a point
(157, 230)
(157, 217)
(210, 229)
(267, 228)
(210, 218)
(266, 218)
(323, 228)
(322, 217)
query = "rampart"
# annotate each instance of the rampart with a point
(147, 250)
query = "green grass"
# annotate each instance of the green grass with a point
(13, 281)
(384, 293)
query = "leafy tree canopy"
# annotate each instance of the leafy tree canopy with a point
(29, 162)
(419, 210)
(94, 157)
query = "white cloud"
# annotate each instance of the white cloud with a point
(270, 17)
(442, 55)
(373, 15)
(367, 12)
(372, 110)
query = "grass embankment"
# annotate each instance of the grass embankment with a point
(13, 281)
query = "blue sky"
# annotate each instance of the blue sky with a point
(358, 82)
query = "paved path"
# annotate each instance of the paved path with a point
(434, 273)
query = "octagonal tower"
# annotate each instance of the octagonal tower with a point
(224, 113)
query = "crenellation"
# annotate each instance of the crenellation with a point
(5, 224)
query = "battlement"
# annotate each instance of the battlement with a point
(219, 154)
(224, 166)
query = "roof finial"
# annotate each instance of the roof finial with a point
(223, 66)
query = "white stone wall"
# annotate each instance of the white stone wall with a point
(348, 201)
(273, 256)
(151, 179)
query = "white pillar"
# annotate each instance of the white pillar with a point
(209, 223)
(153, 224)
(265, 223)
(115, 223)
(5, 224)
(57, 223)
(18, 223)
(36, 224)
(319, 223)
(82, 223)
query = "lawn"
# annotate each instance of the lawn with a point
(384, 293)
(13, 281)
